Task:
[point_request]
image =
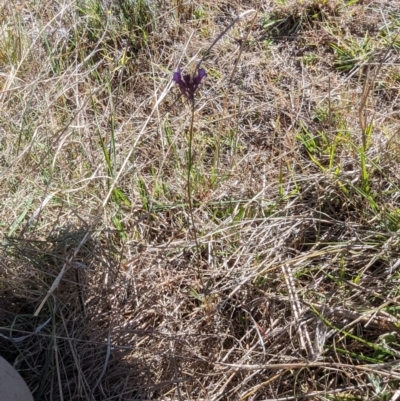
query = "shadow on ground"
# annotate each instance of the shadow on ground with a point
(67, 351)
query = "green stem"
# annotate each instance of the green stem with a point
(189, 180)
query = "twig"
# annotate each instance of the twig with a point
(222, 34)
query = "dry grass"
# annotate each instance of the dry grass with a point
(290, 288)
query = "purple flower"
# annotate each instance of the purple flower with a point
(188, 84)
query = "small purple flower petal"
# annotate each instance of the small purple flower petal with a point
(200, 75)
(187, 79)
(177, 76)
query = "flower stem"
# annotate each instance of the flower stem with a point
(189, 182)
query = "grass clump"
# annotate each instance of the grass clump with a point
(292, 17)
(236, 243)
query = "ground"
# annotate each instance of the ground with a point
(240, 246)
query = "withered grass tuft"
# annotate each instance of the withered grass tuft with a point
(290, 289)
